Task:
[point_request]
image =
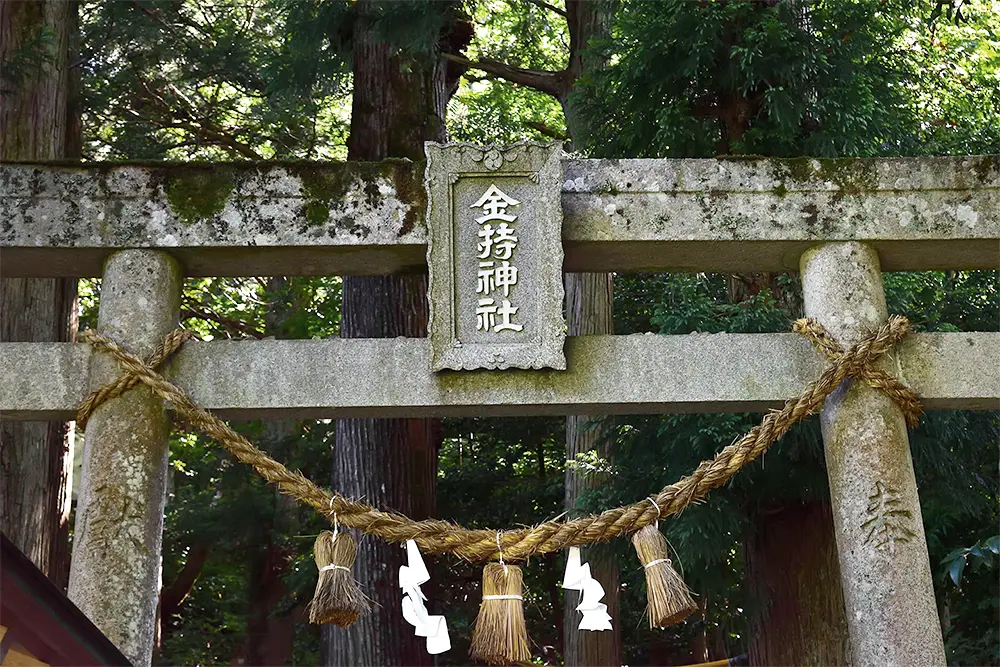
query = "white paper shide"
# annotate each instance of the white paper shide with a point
(577, 577)
(411, 576)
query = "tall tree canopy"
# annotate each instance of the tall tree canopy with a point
(787, 78)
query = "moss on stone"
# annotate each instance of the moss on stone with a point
(985, 166)
(322, 184)
(799, 168)
(199, 193)
(325, 184)
(850, 175)
(316, 212)
(408, 179)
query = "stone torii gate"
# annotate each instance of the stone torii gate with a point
(840, 222)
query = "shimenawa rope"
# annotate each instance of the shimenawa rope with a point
(436, 536)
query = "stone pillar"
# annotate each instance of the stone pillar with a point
(115, 571)
(884, 568)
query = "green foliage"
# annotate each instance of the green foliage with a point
(956, 90)
(826, 78)
(946, 300)
(500, 472)
(971, 602)
(982, 554)
(955, 459)
(954, 454)
(487, 112)
(486, 109)
(215, 501)
(166, 79)
(748, 77)
(652, 451)
(697, 78)
(519, 33)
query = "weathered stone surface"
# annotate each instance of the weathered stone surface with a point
(606, 374)
(115, 571)
(496, 301)
(269, 219)
(760, 214)
(619, 215)
(888, 592)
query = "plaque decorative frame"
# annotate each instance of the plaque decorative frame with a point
(534, 171)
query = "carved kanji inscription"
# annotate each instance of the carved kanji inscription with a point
(886, 520)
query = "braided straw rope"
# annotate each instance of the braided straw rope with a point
(123, 383)
(905, 398)
(436, 536)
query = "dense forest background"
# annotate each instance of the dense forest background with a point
(277, 80)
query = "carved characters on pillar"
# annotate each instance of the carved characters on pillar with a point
(495, 256)
(111, 513)
(886, 520)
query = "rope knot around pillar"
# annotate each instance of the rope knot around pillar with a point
(876, 377)
(163, 351)
(517, 544)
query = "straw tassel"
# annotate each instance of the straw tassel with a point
(338, 599)
(669, 597)
(500, 636)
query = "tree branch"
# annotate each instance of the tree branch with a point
(545, 5)
(231, 325)
(484, 77)
(542, 128)
(217, 137)
(544, 81)
(173, 596)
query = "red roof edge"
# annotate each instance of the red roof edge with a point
(43, 620)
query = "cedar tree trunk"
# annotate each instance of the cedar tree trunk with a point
(588, 310)
(589, 298)
(36, 458)
(398, 104)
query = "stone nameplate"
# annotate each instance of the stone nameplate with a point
(495, 256)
